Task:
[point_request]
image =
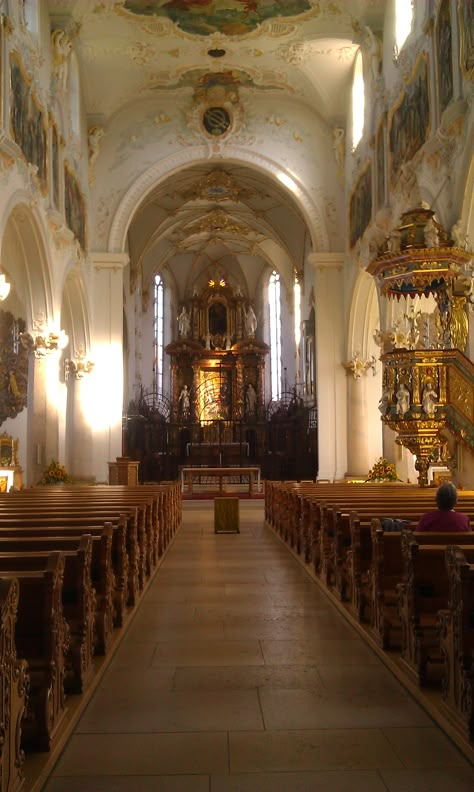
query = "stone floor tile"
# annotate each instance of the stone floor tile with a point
(248, 678)
(333, 781)
(172, 711)
(157, 783)
(313, 651)
(311, 709)
(424, 747)
(322, 749)
(454, 779)
(144, 754)
(195, 653)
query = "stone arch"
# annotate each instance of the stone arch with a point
(148, 180)
(25, 258)
(363, 418)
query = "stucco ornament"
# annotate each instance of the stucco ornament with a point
(96, 133)
(61, 46)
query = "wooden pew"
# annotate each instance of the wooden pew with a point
(119, 565)
(14, 685)
(423, 592)
(42, 638)
(102, 576)
(78, 596)
(456, 634)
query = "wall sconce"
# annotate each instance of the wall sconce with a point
(52, 342)
(4, 287)
(79, 366)
(357, 367)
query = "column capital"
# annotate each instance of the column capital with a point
(111, 261)
(326, 261)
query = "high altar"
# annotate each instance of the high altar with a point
(217, 367)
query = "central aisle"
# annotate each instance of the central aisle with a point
(238, 675)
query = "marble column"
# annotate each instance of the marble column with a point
(106, 407)
(330, 375)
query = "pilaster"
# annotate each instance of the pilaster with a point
(107, 352)
(328, 282)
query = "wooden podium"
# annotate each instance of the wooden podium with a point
(226, 515)
(123, 471)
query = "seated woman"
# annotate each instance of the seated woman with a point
(445, 518)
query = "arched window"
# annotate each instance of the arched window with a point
(403, 22)
(30, 10)
(74, 95)
(358, 101)
(158, 334)
(297, 301)
(274, 305)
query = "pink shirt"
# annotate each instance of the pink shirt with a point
(444, 521)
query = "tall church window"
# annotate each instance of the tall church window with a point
(403, 22)
(30, 10)
(358, 101)
(297, 300)
(158, 334)
(274, 304)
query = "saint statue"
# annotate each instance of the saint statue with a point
(250, 399)
(184, 322)
(184, 401)
(403, 400)
(429, 400)
(250, 322)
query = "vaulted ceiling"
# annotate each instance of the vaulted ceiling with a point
(296, 50)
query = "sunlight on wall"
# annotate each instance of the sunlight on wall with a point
(287, 181)
(358, 101)
(102, 389)
(54, 389)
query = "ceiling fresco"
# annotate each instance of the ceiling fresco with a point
(219, 84)
(228, 17)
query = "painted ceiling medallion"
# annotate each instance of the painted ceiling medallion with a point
(228, 17)
(216, 121)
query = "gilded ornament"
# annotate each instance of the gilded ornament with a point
(458, 323)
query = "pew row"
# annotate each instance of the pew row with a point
(353, 539)
(14, 681)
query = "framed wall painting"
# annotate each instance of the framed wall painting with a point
(360, 205)
(444, 56)
(466, 30)
(28, 121)
(380, 163)
(74, 206)
(409, 121)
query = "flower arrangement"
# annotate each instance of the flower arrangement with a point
(382, 471)
(55, 474)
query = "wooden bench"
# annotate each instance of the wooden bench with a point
(42, 639)
(102, 575)
(423, 592)
(78, 596)
(456, 635)
(14, 686)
